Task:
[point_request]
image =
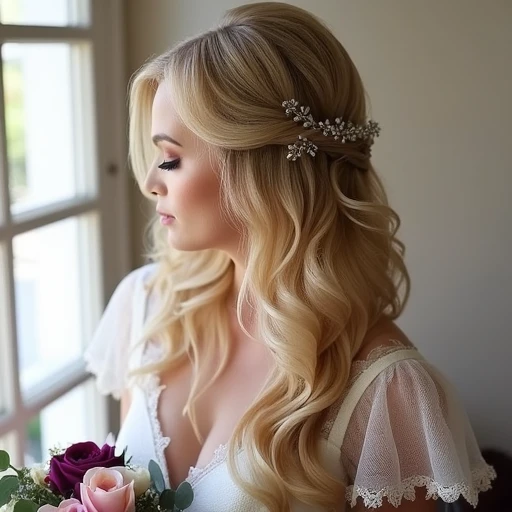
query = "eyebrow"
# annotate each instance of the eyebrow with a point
(161, 136)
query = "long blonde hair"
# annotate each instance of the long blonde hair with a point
(323, 263)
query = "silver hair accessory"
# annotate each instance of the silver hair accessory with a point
(340, 129)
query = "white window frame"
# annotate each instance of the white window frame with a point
(106, 36)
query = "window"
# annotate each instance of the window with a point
(63, 213)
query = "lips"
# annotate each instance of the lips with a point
(164, 214)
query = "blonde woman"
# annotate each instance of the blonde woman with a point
(257, 355)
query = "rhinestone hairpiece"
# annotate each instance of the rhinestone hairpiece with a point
(340, 129)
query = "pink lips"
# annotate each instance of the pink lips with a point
(166, 219)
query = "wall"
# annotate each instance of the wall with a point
(439, 77)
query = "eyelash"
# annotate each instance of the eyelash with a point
(170, 165)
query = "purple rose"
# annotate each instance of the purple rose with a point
(67, 470)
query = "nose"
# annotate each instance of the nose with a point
(153, 184)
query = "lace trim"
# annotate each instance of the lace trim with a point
(360, 365)
(480, 481)
(358, 368)
(220, 456)
(153, 389)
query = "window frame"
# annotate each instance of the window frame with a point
(111, 203)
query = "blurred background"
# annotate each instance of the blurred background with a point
(439, 78)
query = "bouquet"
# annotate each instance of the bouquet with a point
(87, 478)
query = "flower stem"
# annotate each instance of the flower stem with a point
(18, 472)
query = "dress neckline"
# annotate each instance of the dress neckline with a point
(152, 389)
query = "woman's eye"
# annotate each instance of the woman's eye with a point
(170, 164)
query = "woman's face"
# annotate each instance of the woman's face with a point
(186, 183)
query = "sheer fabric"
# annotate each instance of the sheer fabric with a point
(410, 430)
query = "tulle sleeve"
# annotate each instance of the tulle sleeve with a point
(410, 430)
(108, 352)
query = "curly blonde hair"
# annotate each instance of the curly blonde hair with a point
(323, 263)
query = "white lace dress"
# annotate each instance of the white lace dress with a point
(399, 426)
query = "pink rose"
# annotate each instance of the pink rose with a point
(105, 490)
(66, 506)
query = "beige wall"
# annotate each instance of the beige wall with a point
(439, 76)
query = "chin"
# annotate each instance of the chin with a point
(186, 245)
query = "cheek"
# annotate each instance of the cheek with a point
(199, 196)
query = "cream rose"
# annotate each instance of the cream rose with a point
(139, 476)
(38, 474)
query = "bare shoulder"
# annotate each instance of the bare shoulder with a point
(385, 333)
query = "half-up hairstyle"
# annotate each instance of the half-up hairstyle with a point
(323, 263)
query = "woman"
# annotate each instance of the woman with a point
(257, 356)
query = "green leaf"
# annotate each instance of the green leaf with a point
(5, 460)
(156, 476)
(184, 496)
(167, 499)
(8, 485)
(25, 506)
